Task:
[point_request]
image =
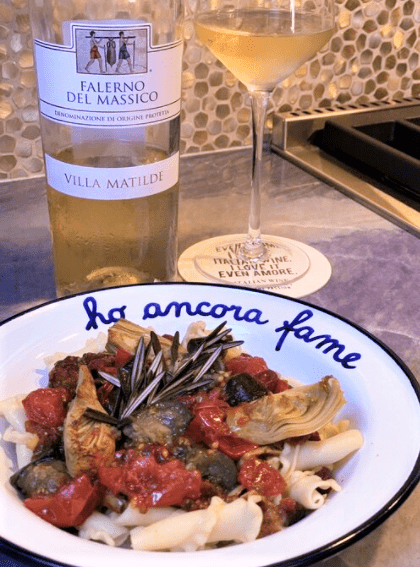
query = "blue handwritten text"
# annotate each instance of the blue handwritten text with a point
(204, 309)
(91, 308)
(308, 335)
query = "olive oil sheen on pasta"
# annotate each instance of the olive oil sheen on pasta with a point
(109, 85)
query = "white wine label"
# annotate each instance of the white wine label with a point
(108, 75)
(112, 184)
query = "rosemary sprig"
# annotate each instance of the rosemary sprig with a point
(149, 379)
(101, 416)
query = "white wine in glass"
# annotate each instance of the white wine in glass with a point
(261, 43)
(261, 47)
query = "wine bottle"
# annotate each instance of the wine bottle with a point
(109, 89)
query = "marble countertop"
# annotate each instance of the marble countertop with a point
(374, 282)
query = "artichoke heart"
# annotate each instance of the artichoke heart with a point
(294, 412)
(87, 442)
(126, 335)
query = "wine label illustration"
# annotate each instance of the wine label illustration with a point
(114, 77)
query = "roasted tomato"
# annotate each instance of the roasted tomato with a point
(245, 363)
(47, 406)
(70, 505)
(258, 475)
(149, 484)
(209, 427)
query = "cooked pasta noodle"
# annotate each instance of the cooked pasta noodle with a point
(28, 440)
(185, 532)
(13, 412)
(5, 467)
(304, 487)
(239, 521)
(92, 345)
(133, 517)
(321, 453)
(100, 527)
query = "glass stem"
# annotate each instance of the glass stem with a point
(253, 248)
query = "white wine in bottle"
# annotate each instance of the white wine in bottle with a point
(109, 86)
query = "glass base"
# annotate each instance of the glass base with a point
(292, 268)
(253, 250)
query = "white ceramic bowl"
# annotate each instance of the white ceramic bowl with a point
(382, 401)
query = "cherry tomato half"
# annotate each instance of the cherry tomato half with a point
(47, 406)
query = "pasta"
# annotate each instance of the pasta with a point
(5, 467)
(100, 527)
(185, 532)
(133, 517)
(13, 412)
(304, 487)
(314, 454)
(152, 444)
(239, 521)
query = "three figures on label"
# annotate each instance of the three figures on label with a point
(111, 57)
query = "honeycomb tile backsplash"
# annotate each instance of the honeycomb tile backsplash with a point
(373, 56)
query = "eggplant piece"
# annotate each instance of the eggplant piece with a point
(42, 476)
(243, 388)
(216, 467)
(160, 423)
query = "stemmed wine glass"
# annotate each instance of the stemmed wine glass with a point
(261, 42)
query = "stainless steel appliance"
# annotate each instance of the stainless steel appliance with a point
(370, 152)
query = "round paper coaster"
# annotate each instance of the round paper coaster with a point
(294, 269)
